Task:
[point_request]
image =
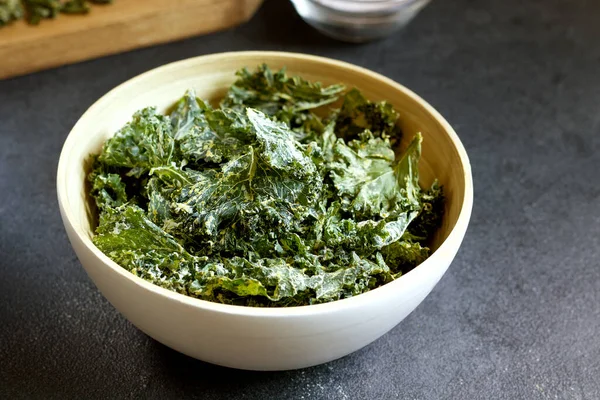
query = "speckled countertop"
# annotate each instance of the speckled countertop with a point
(517, 316)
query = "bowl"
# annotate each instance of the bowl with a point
(247, 337)
(358, 20)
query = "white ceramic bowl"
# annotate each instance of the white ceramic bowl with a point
(358, 20)
(262, 338)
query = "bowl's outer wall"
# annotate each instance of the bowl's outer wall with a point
(261, 339)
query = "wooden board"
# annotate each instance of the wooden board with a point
(110, 29)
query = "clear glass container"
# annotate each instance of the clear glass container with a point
(358, 20)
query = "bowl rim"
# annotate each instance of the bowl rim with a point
(451, 243)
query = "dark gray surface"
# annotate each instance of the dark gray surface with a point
(517, 316)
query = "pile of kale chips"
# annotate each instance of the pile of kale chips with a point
(261, 202)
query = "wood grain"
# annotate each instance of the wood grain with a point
(124, 25)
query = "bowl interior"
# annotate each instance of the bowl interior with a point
(443, 156)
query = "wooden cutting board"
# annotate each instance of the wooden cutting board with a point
(110, 29)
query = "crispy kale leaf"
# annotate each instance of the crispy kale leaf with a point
(108, 188)
(358, 114)
(260, 203)
(145, 142)
(277, 282)
(368, 180)
(128, 237)
(205, 135)
(404, 254)
(432, 211)
(287, 99)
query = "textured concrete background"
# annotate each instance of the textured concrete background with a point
(517, 316)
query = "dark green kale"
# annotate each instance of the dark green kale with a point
(287, 99)
(144, 143)
(233, 205)
(368, 180)
(358, 114)
(430, 216)
(108, 188)
(205, 135)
